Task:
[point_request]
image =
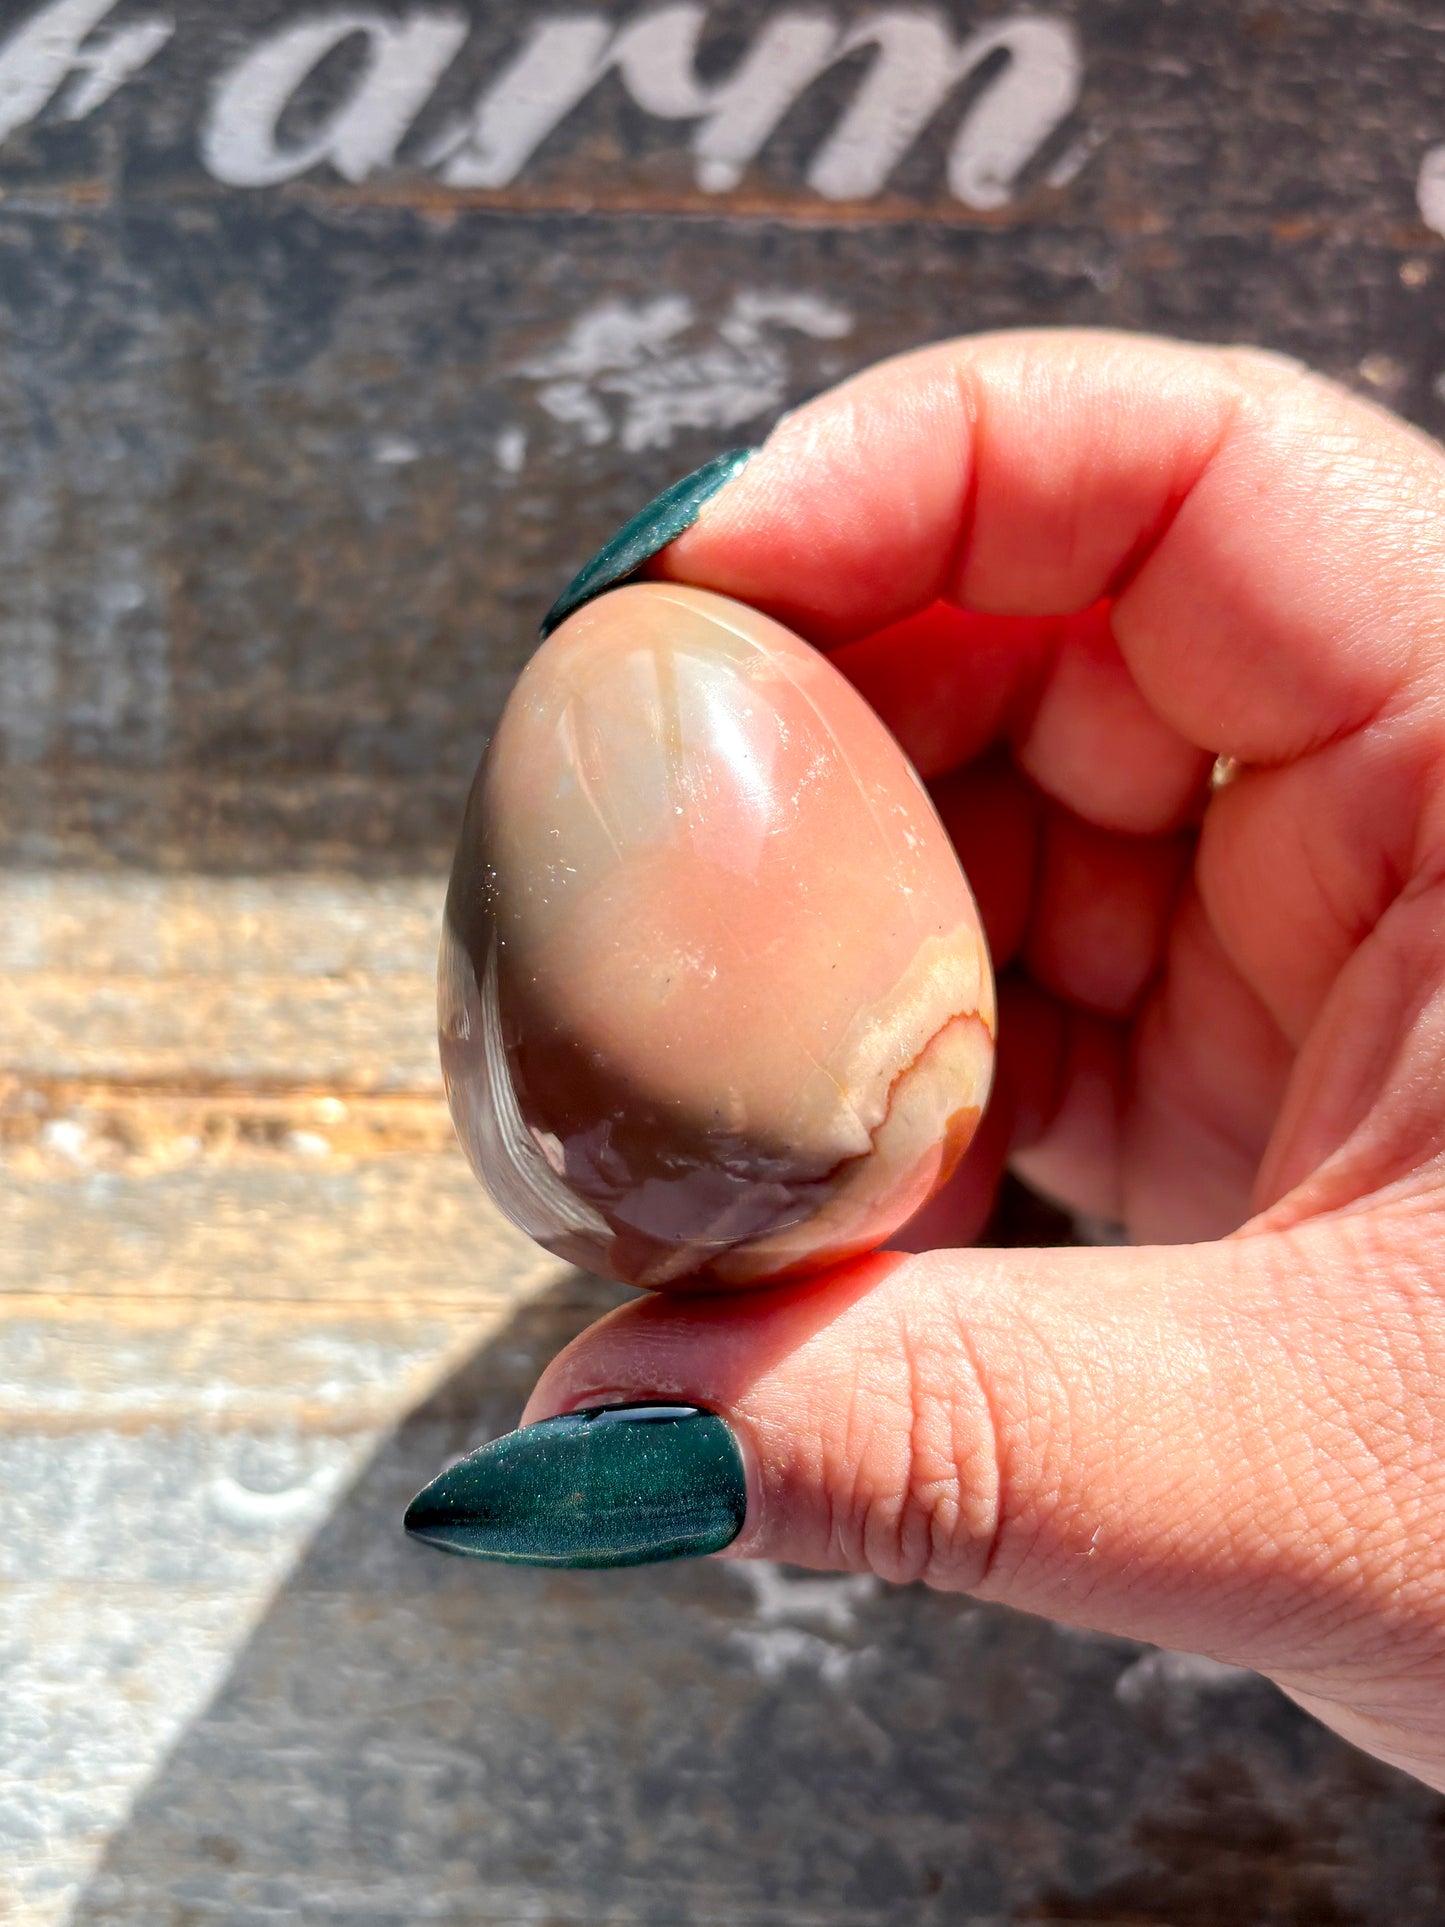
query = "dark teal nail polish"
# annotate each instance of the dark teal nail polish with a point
(651, 529)
(616, 1485)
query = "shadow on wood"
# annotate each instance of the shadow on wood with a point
(410, 1737)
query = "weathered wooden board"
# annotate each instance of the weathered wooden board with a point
(331, 338)
(299, 429)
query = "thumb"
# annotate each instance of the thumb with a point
(1222, 1447)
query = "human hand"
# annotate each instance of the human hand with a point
(1221, 1014)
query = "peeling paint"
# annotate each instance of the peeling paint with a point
(645, 373)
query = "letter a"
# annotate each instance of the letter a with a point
(407, 59)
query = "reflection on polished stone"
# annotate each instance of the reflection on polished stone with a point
(714, 1001)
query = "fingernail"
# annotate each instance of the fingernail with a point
(651, 529)
(616, 1485)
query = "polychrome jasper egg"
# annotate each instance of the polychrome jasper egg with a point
(714, 1000)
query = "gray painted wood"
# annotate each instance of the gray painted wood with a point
(289, 471)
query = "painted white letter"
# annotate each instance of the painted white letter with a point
(657, 59)
(406, 59)
(655, 56)
(1015, 115)
(917, 66)
(560, 62)
(37, 58)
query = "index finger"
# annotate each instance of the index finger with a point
(1272, 546)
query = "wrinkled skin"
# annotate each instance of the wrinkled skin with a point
(1072, 571)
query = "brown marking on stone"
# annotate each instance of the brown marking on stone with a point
(958, 1133)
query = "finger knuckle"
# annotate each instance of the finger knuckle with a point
(922, 1497)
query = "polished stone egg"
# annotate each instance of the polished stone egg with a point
(714, 1001)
